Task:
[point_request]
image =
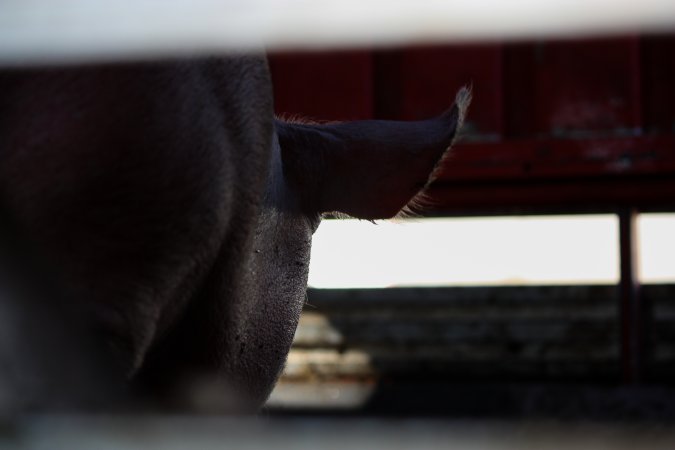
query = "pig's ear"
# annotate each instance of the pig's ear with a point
(367, 169)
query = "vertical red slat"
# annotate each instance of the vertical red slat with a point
(323, 86)
(658, 83)
(636, 101)
(388, 74)
(518, 81)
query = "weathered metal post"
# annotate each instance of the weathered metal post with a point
(632, 309)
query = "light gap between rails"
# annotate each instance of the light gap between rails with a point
(487, 251)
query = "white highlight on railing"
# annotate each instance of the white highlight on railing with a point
(42, 31)
(466, 251)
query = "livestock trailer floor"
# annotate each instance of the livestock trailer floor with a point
(478, 401)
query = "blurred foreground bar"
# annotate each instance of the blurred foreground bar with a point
(42, 31)
(304, 433)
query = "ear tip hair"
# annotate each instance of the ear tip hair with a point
(463, 99)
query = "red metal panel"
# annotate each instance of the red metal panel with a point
(658, 83)
(420, 82)
(565, 195)
(542, 159)
(558, 174)
(323, 86)
(559, 88)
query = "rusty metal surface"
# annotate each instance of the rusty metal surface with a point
(594, 174)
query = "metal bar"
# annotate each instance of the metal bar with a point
(632, 310)
(527, 160)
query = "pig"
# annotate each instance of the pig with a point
(164, 220)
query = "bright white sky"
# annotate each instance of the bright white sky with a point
(486, 251)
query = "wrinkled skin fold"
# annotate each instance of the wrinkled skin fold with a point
(164, 219)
